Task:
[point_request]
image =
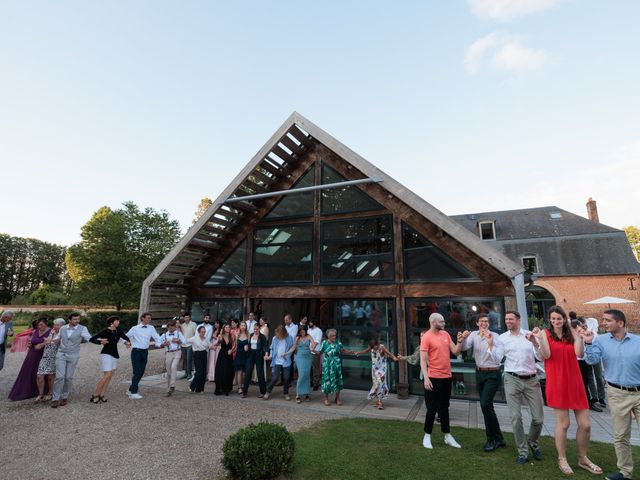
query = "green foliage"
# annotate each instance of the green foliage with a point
(27, 264)
(48, 295)
(119, 248)
(204, 204)
(633, 235)
(258, 451)
(536, 322)
(97, 321)
(20, 300)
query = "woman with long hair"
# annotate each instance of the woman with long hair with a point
(26, 385)
(47, 365)
(379, 354)
(560, 347)
(257, 350)
(280, 356)
(215, 350)
(303, 346)
(241, 349)
(108, 338)
(201, 345)
(224, 363)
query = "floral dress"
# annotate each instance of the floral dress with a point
(379, 390)
(331, 366)
(47, 365)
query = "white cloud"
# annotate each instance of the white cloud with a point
(514, 57)
(475, 52)
(508, 55)
(504, 10)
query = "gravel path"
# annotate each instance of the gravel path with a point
(156, 437)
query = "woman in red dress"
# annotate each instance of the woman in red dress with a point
(560, 347)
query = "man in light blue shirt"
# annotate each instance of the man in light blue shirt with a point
(140, 337)
(620, 354)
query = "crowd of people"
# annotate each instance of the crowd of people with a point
(241, 352)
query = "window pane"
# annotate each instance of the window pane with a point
(222, 310)
(358, 250)
(297, 204)
(231, 272)
(283, 254)
(458, 314)
(344, 199)
(282, 273)
(280, 235)
(424, 261)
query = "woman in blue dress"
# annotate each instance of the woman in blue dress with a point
(303, 346)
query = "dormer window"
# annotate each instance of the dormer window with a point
(487, 230)
(530, 264)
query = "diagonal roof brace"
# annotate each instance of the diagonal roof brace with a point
(257, 196)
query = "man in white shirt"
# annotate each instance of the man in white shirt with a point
(292, 328)
(251, 322)
(171, 341)
(206, 323)
(316, 371)
(520, 382)
(188, 329)
(596, 388)
(140, 337)
(6, 330)
(487, 379)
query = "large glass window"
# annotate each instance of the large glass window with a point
(283, 254)
(460, 314)
(357, 250)
(231, 272)
(357, 321)
(296, 204)
(343, 199)
(425, 262)
(223, 310)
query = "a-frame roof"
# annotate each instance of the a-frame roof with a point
(272, 162)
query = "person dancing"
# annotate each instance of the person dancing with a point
(108, 338)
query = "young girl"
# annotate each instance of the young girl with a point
(379, 354)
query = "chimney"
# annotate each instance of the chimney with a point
(592, 210)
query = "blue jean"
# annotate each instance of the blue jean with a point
(286, 378)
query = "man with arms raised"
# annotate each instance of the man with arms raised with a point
(620, 354)
(435, 347)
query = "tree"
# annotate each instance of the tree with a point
(633, 235)
(119, 248)
(204, 204)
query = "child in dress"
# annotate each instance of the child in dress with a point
(379, 353)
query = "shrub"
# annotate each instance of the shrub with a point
(258, 451)
(96, 321)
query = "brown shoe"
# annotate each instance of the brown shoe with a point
(55, 404)
(63, 402)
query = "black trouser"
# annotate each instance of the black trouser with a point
(286, 378)
(488, 384)
(200, 362)
(586, 371)
(258, 362)
(437, 401)
(138, 365)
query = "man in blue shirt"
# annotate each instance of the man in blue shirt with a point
(620, 353)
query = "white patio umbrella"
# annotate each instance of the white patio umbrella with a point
(609, 301)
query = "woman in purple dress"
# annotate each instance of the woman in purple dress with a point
(26, 385)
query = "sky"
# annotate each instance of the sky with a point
(475, 105)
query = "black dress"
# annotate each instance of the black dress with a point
(224, 369)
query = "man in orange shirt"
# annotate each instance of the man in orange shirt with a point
(435, 363)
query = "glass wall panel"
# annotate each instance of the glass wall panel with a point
(344, 199)
(459, 314)
(223, 310)
(231, 272)
(297, 204)
(425, 262)
(283, 254)
(358, 250)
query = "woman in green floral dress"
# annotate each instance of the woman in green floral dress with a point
(332, 366)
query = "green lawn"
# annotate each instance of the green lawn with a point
(392, 449)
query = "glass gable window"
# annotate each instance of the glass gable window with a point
(345, 199)
(223, 310)
(357, 250)
(296, 204)
(231, 272)
(283, 254)
(425, 262)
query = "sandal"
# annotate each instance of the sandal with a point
(102, 399)
(307, 398)
(564, 466)
(39, 399)
(590, 467)
(46, 398)
(327, 403)
(338, 402)
(298, 400)
(94, 399)
(380, 407)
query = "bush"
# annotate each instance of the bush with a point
(48, 295)
(258, 451)
(96, 321)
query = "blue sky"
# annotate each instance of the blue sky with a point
(475, 105)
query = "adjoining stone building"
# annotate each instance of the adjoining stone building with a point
(573, 259)
(309, 227)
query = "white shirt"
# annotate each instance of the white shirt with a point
(519, 353)
(3, 329)
(481, 354)
(292, 330)
(199, 344)
(140, 336)
(208, 330)
(316, 334)
(250, 325)
(169, 336)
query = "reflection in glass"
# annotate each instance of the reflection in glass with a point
(296, 204)
(358, 250)
(231, 272)
(283, 254)
(344, 199)
(223, 310)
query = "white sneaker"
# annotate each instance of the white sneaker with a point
(426, 441)
(128, 393)
(449, 440)
(135, 396)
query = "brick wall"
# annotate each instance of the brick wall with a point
(572, 292)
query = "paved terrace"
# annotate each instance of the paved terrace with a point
(463, 413)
